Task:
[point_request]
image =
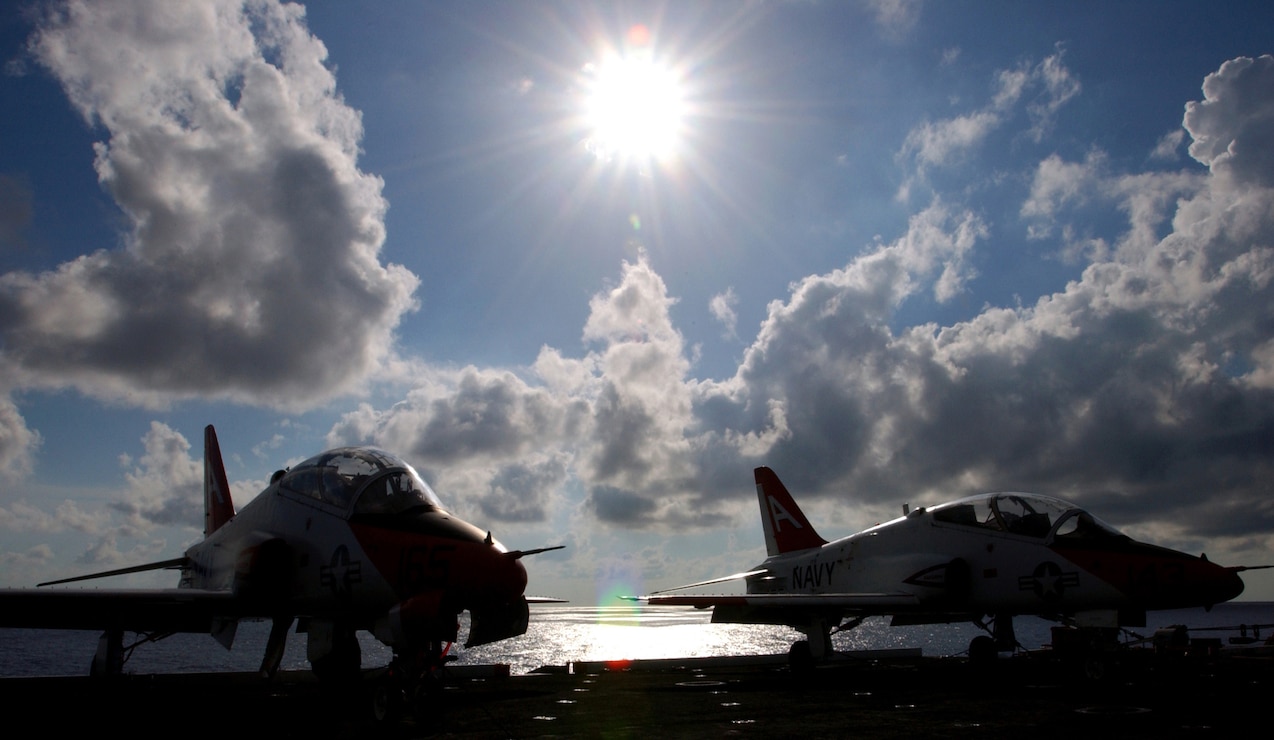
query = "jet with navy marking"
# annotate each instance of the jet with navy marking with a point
(994, 555)
(349, 540)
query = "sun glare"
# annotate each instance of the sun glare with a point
(633, 109)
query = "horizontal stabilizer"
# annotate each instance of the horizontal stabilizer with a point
(174, 563)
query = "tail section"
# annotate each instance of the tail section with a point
(217, 505)
(785, 525)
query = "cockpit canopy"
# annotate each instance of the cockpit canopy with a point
(1026, 514)
(360, 480)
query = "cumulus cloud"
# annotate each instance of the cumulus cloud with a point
(652, 446)
(1144, 380)
(166, 483)
(23, 517)
(18, 443)
(1058, 182)
(163, 488)
(937, 142)
(250, 267)
(1233, 126)
(1167, 146)
(493, 441)
(723, 308)
(16, 567)
(1042, 89)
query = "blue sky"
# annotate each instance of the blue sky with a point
(897, 251)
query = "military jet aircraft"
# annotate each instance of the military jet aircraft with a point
(350, 539)
(1001, 554)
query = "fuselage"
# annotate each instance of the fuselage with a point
(1002, 554)
(356, 535)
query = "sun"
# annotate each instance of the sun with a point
(633, 109)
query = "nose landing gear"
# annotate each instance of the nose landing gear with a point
(411, 684)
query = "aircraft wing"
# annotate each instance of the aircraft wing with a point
(132, 610)
(722, 579)
(873, 603)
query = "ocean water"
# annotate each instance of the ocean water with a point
(560, 635)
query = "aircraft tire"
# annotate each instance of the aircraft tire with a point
(982, 650)
(799, 658)
(387, 703)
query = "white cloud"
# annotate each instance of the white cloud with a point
(937, 143)
(1146, 377)
(252, 231)
(1168, 145)
(17, 567)
(18, 443)
(1046, 87)
(166, 484)
(723, 310)
(1233, 126)
(22, 517)
(1058, 182)
(1060, 86)
(895, 17)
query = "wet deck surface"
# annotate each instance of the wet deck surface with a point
(914, 697)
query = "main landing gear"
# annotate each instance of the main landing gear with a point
(805, 654)
(411, 683)
(984, 649)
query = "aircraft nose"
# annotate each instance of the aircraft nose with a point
(1228, 585)
(519, 578)
(1214, 584)
(509, 575)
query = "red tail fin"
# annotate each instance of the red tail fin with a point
(218, 508)
(785, 525)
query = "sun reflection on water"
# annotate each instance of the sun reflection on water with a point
(559, 636)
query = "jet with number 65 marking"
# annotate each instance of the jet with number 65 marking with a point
(996, 555)
(351, 539)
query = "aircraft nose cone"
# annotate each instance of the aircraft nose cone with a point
(509, 576)
(1228, 586)
(518, 579)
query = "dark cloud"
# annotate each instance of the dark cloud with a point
(521, 492)
(620, 507)
(488, 415)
